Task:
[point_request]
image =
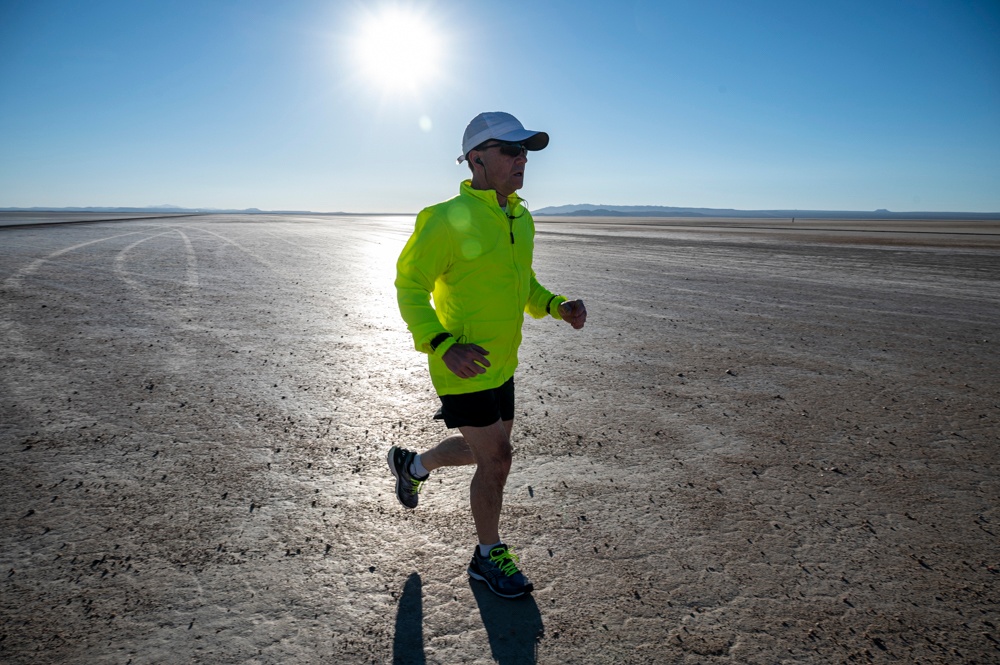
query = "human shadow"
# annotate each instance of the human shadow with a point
(408, 642)
(514, 626)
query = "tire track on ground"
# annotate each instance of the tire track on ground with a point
(23, 347)
(120, 258)
(14, 281)
(191, 275)
(256, 257)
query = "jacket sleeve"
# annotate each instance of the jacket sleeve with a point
(425, 257)
(541, 301)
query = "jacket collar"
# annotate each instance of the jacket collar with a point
(489, 197)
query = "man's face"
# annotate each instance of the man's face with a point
(504, 166)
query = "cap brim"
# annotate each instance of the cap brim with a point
(531, 140)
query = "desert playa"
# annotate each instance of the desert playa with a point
(774, 442)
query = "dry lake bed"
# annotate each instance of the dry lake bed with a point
(772, 443)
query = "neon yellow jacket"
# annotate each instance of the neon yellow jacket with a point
(476, 263)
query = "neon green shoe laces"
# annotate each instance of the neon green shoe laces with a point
(505, 560)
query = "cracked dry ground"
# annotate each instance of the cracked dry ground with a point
(763, 448)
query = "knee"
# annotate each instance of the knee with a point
(500, 458)
(505, 455)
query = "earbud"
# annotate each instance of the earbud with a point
(480, 162)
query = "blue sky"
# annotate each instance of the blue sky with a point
(752, 105)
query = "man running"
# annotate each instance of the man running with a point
(472, 254)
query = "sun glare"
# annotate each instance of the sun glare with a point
(397, 49)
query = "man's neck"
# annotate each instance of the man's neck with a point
(501, 198)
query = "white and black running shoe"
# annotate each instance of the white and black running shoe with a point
(407, 485)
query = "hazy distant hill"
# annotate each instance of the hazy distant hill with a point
(600, 210)
(148, 209)
(577, 210)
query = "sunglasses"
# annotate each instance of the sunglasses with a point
(507, 149)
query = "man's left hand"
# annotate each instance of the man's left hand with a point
(573, 312)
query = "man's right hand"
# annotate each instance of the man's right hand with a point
(466, 360)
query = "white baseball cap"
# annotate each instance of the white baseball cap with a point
(501, 127)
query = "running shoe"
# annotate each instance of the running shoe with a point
(499, 571)
(407, 485)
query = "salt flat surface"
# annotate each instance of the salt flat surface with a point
(767, 446)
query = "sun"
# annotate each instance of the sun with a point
(397, 49)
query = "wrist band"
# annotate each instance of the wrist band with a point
(549, 304)
(444, 347)
(436, 342)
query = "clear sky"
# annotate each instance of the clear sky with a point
(280, 105)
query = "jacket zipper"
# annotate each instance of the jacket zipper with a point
(517, 276)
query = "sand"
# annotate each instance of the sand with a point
(769, 445)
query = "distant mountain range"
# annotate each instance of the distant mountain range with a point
(578, 210)
(600, 210)
(167, 208)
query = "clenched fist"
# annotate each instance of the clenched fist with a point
(573, 312)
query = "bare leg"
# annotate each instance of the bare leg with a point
(490, 447)
(454, 451)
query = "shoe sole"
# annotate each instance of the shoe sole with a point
(392, 467)
(476, 576)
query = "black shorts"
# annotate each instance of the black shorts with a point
(478, 409)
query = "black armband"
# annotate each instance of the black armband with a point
(549, 304)
(436, 342)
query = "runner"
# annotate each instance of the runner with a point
(472, 254)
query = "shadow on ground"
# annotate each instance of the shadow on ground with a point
(513, 626)
(408, 642)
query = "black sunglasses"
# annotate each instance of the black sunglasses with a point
(508, 149)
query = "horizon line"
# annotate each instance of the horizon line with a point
(587, 209)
